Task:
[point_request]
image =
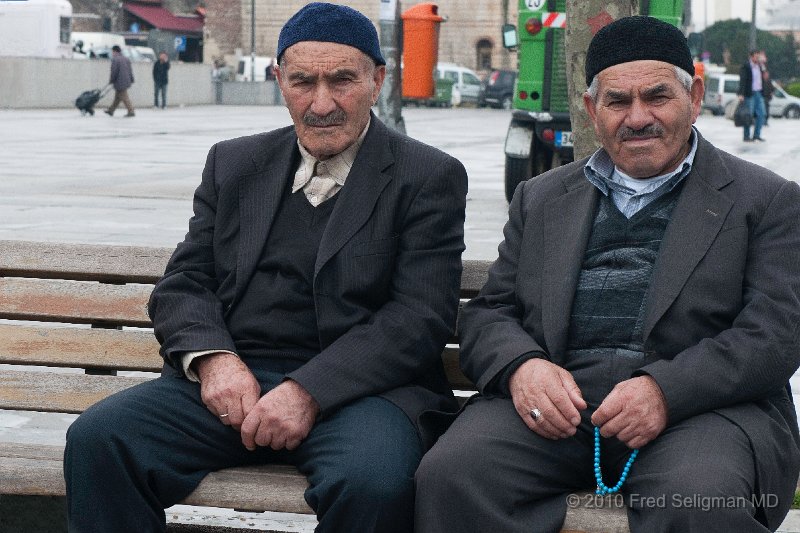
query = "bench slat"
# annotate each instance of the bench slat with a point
(52, 392)
(27, 469)
(257, 488)
(84, 262)
(72, 393)
(130, 264)
(111, 349)
(37, 470)
(77, 302)
(79, 348)
(452, 368)
(473, 277)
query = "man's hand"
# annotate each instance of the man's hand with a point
(549, 388)
(281, 419)
(227, 387)
(635, 412)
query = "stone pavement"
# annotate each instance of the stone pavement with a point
(68, 178)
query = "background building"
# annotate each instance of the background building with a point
(175, 26)
(470, 36)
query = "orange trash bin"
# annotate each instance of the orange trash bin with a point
(420, 49)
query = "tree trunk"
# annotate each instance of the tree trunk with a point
(584, 19)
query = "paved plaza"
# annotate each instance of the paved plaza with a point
(68, 178)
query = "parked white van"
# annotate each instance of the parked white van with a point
(244, 72)
(96, 43)
(466, 84)
(720, 92)
(35, 28)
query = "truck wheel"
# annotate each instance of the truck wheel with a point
(517, 171)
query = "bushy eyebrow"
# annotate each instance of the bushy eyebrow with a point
(650, 92)
(658, 90)
(337, 74)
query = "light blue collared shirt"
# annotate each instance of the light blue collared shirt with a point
(630, 194)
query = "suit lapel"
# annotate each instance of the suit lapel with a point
(567, 226)
(260, 195)
(361, 191)
(694, 225)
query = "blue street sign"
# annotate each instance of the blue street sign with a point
(180, 43)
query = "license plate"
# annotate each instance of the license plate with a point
(563, 138)
(518, 141)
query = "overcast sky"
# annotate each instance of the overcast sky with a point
(770, 15)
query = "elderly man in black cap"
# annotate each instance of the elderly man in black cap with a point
(303, 317)
(639, 328)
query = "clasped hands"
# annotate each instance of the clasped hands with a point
(280, 419)
(635, 411)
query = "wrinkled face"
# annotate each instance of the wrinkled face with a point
(329, 89)
(643, 116)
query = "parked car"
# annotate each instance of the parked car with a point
(720, 92)
(783, 104)
(497, 90)
(139, 53)
(466, 84)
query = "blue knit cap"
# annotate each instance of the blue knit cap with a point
(331, 23)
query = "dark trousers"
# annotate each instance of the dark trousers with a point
(144, 449)
(160, 88)
(489, 472)
(121, 97)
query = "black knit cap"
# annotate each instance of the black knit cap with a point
(636, 38)
(332, 23)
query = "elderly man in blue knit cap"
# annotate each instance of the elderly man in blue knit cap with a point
(303, 318)
(637, 332)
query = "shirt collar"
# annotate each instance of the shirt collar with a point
(603, 174)
(336, 167)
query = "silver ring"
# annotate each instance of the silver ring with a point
(223, 416)
(536, 414)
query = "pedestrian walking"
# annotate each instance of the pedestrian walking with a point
(160, 79)
(121, 78)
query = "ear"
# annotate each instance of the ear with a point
(590, 106)
(378, 77)
(696, 94)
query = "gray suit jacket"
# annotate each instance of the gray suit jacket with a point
(723, 308)
(386, 280)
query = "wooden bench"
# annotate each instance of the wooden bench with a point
(83, 307)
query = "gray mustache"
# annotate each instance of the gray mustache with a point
(331, 119)
(625, 133)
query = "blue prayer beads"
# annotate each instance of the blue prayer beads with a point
(602, 489)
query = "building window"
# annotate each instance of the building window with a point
(484, 54)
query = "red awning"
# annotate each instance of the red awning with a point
(163, 19)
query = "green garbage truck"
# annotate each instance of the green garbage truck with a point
(540, 136)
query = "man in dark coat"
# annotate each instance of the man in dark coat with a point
(303, 318)
(122, 79)
(751, 87)
(647, 298)
(160, 79)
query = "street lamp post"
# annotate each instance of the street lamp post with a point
(390, 100)
(252, 40)
(753, 27)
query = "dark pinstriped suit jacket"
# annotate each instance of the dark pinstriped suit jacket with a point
(722, 322)
(387, 274)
